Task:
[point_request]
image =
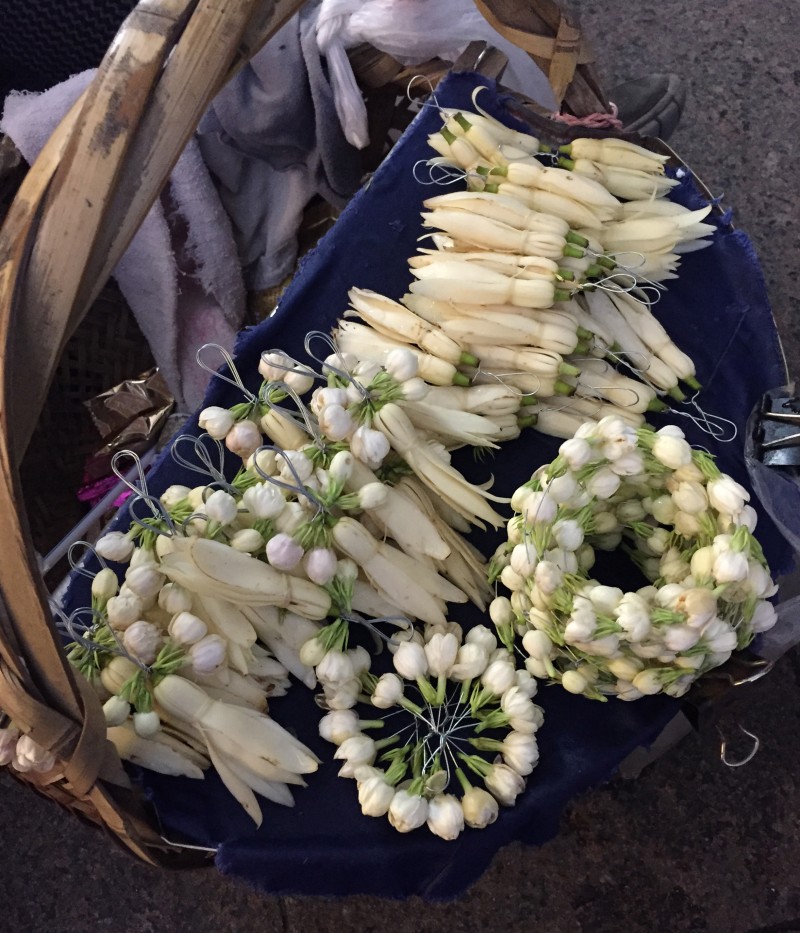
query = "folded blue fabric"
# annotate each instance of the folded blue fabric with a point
(717, 311)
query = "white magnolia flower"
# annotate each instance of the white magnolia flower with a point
(221, 507)
(264, 500)
(445, 816)
(407, 812)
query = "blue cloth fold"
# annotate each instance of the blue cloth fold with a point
(717, 311)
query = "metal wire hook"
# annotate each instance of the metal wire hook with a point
(723, 744)
(208, 468)
(236, 381)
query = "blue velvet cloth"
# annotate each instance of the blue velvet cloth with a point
(717, 311)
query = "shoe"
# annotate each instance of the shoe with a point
(650, 106)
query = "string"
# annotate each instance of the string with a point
(141, 493)
(78, 564)
(236, 381)
(208, 468)
(342, 373)
(713, 425)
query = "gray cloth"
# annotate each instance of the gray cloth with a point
(272, 140)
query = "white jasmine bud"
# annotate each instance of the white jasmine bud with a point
(690, 497)
(445, 816)
(407, 812)
(441, 651)
(173, 598)
(726, 495)
(244, 439)
(105, 584)
(764, 616)
(471, 661)
(172, 495)
(479, 807)
(335, 668)
(356, 751)
(375, 794)
(577, 452)
(647, 682)
(143, 640)
(372, 496)
(574, 682)
(186, 628)
(671, 448)
(540, 508)
(548, 577)
(320, 565)
(263, 500)
(146, 724)
(338, 725)
(116, 711)
(116, 546)
(247, 541)
(730, 567)
(388, 691)
(145, 581)
(283, 552)
(410, 660)
(124, 610)
(30, 756)
(401, 364)
(221, 507)
(369, 446)
(562, 488)
(342, 695)
(216, 421)
(300, 378)
(414, 390)
(312, 652)
(603, 483)
(341, 466)
(481, 635)
(208, 654)
(521, 752)
(504, 783)
(499, 675)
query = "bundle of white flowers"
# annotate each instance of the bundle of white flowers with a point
(452, 689)
(684, 523)
(22, 753)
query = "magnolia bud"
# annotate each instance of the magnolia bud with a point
(373, 496)
(146, 724)
(283, 552)
(172, 495)
(124, 610)
(116, 711)
(320, 565)
(173, 598)
(369, 446)
(264, 500)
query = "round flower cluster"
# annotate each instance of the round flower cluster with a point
(686, 526)
(453, 689)
(22, 753)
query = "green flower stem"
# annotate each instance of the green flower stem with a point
(396, 771)
(371, 724)
(385, 743)
(417, 759)
(427, 691)
(475, 764)
(410, 706)
(417, 787)
(486, 745)
(465, 688)
(676, 393)
(494, 720)
(463, 781)
(441, 688)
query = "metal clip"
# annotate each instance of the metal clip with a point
(777, 433)
(723, 746)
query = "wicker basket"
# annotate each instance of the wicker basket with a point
(75, 213)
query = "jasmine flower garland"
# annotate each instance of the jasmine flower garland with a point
(447, 691)
(685, 524)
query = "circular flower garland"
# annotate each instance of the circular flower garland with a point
(684, 523)
(453, 689)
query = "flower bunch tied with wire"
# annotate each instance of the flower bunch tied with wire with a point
(452, 699)
(685, 524)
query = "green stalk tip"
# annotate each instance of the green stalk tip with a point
(576, 239)
(693, 383)
(575, 252)
(460, 379)
(607, 262)
(594, 271)
(483, 169)
(676, 393)
(467, 359)
(567, 274)
(491, 189)
(583, 334)
(528, 421)
(567, 369)
(561, 294)
(567, 150)
(463, 122)
(568, 164)
(563, 388)
(657, 405)
(449, 137)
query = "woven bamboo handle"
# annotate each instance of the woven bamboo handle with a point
(74, 216)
